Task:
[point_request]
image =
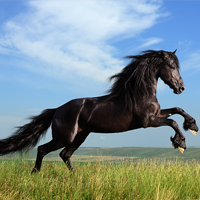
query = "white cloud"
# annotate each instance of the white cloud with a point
(151, 41)
(192, 61)
(76, 37)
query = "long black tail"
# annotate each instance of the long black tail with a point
(27, 136)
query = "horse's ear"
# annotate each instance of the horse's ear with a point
(174, 52)
(164, 54)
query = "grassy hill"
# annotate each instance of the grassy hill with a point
(136, 153)
(168, 153)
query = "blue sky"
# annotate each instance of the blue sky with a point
(55, 51)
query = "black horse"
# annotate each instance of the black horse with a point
(131, 103)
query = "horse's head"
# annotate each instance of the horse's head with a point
(169, 72)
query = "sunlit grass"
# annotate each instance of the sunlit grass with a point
(145, 179)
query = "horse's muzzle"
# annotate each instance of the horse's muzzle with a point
(179, 90)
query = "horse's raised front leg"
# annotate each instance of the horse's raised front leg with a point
(189, 123)
(178, 141)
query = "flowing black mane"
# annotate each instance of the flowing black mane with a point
(135, 80)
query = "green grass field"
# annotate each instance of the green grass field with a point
(145, 179)
(120, 177)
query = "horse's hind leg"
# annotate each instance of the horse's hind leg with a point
(44, 150)
(67, 152)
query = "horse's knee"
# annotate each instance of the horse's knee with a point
(179, 110)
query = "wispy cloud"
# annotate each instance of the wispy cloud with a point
(192, 61)
(77, 37)
(150, 41)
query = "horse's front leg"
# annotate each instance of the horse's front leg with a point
(189, 123)
(178, 141)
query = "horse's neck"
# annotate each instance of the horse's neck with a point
(152, 87)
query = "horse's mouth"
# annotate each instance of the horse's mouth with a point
(178, 91)
(175, 89)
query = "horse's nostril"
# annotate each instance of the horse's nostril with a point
(182, 88)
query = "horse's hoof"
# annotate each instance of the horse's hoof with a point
(181, 149)
(34, 171)
(193, 132)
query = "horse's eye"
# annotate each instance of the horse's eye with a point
(172, 67)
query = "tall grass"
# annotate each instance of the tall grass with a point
(146, 179)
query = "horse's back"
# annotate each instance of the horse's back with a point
(102, 116)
